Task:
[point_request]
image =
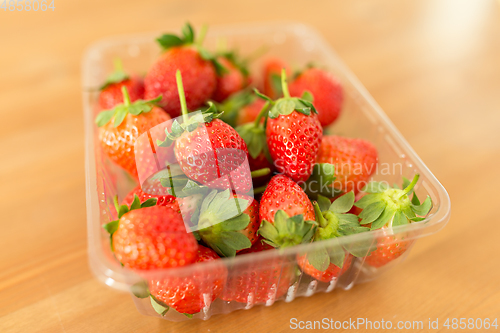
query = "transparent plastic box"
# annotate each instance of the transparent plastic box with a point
(361, 117)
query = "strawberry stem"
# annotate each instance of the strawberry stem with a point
(411, 186)
(182, 96)
(260, 172)
(284, 85)
(118, 65)
(259, 189)
(201, 36)
(261, 114)
(126, 96)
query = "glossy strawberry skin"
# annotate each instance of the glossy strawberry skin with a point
(193, 292)
(389, 248)
(272, 67)
(329, 274)
(282, 193)
(198, 76)
(230, 82)
(253, 212)
(293, 141)
(153, 238)
(259, 281)
(118, 142)
(161, 194)
(355, 160)
(212, 152)
(327, 92)
(249, 113)
(112, 95)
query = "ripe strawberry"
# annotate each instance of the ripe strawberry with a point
(355, 160)
(191, 293)
(208, 150)
(282, 193)
(329, 262)
(228, 223)
(198, 66)
(271, 75)
(330, 273)
(111, 92)
(160, 194)
(260, 280)
(146, 237)
(233, 80)
(120, 127)
(326, 90)
(250, 112)
(293, 135)
(387, 207)
(388, 249)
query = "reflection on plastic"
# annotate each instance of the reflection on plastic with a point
(191, 175)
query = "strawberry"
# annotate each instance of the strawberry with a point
(111, 92)
(193, 292)
(233, 80)
(150, 237)
(282, 193)
(228, 223)
(387, 207)
(199, 68)
(120, 127)
(271, 74)
(326, 90)
(163, 199)
(334, 221)
(355, 160)
(208, 150)
(293, 134)
(260, 280)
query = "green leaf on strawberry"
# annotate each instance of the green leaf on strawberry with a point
(120, 111)
(254, 134)
(140, 289)
(391, 206)
(233, 104)
(287, 231)
(160, 307)
(221, 217)
(320, 182)
(117, 76)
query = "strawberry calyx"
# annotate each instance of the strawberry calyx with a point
(112, 226)
(287, 231)
(233, 104)
(320, 181)
(117, 76)
(238, 62)
(391, 206)
(221, 217)
(120, 111)
(189, 124)
(254, 134)
(187, 38)
(287, 104)
(159, 307)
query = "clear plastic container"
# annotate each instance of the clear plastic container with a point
(361, 117)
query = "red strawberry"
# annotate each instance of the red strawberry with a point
(355, 160)
(250, 112)
(208, 150)
(200, 76)
(282, 193)
(111, 92)
(386, 207)
(388, 249)
(228, 223)
(326, 90)
(330, 273)
(160, 193)
(259, 281)
(120, 127)
(271, 75)
(151, 238)
(233, 80)
(191, 293)
(293, 135)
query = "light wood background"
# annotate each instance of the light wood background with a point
(432, 65)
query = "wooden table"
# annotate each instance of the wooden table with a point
(432, 65)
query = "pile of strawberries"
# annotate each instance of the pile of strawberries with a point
(251, 171)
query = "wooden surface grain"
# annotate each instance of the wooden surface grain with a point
(432, 65)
